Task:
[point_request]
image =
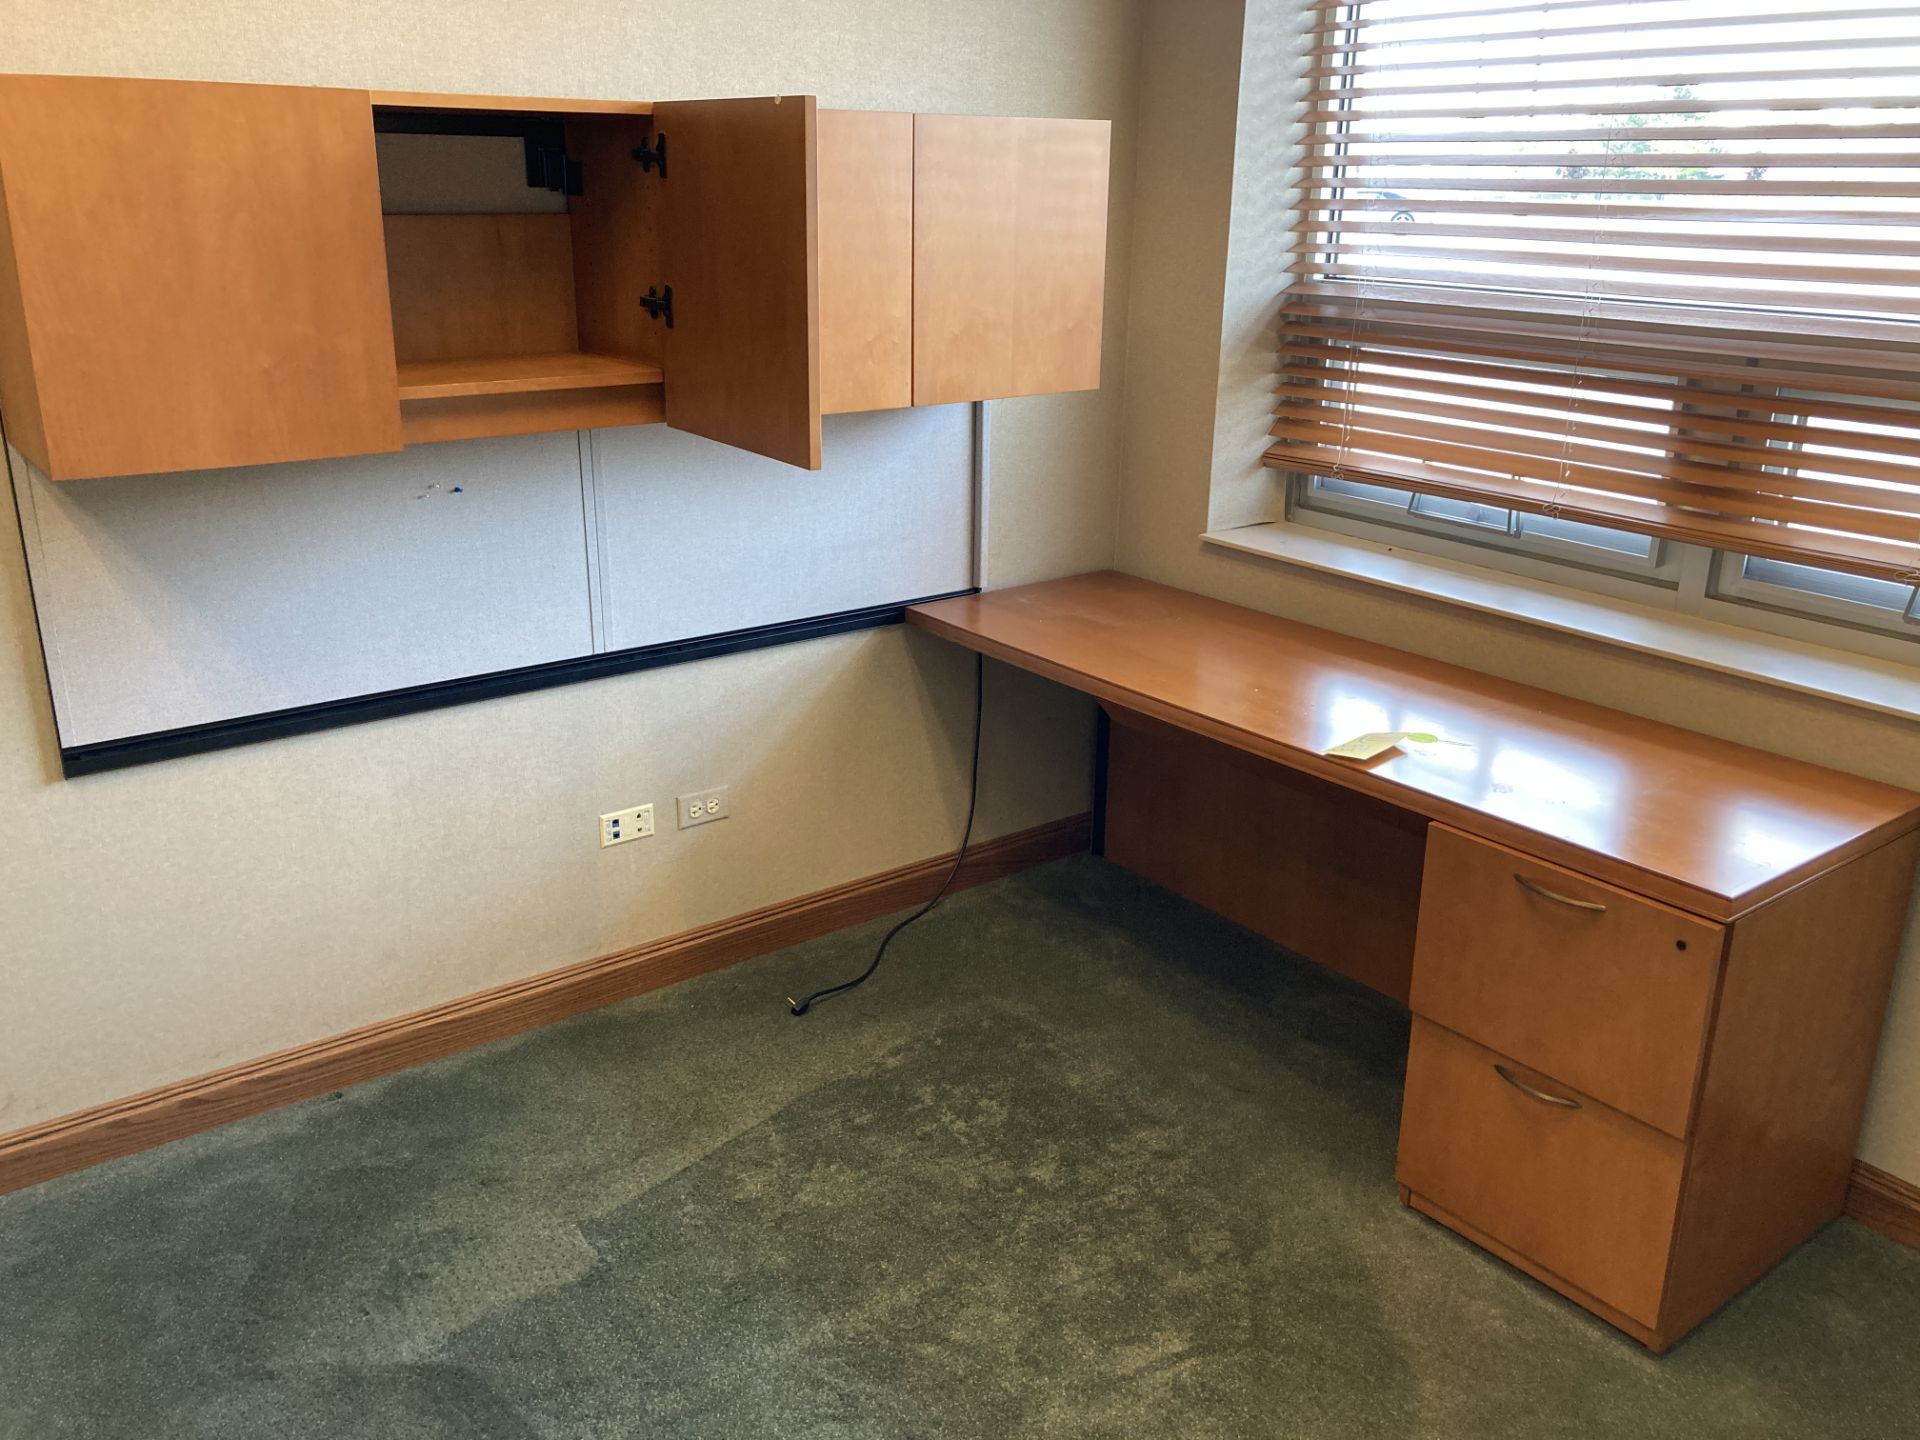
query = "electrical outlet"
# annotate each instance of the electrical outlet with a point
(702, 806)
(624, 825)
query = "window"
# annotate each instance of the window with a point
(1497, 527)
(1625, 286)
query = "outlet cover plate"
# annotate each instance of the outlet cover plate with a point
(620, 826)
(703, 807)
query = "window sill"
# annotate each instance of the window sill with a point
(1854, 680)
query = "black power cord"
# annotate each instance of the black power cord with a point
(800, 1007)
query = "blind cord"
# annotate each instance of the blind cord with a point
(801, 1007)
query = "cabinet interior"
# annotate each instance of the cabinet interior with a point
(516, 304)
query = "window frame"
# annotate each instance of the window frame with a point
(1685, 579)
(1521, 537)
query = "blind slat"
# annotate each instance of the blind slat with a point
(1367, 256)
(1367, 11)
(1368, 143)
(1601, 284)
(1712, 50)
(1592, 210)
(1689, 453)
(1552, 362)
(1606, 30)
(1589, 459)
(1592, 232)
(1679, 429)
(1352, 301)
(1838, 75)
(1360, 121)
(1376, 156)
(1615, 185)
(1691, 399)
(1766, 123)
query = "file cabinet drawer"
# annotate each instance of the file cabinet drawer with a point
(1605, 990)
(1579, 1189)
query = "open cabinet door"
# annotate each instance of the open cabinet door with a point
(738, 244)
(191, 276)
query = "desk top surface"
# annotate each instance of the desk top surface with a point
(1710, 826)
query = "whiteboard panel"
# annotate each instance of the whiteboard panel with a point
(178, 600)
(172, 601)
(698, 538)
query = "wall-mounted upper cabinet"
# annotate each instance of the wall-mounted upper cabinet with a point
(198, 275)
(190, 276)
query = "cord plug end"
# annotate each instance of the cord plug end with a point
(796, 1007)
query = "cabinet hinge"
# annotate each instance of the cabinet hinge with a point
(658, 302)
(549, 167)
(652, 157)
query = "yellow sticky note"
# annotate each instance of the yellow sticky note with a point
(1377, 742)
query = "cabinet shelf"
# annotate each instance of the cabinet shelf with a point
(524, 394)
(521, 375)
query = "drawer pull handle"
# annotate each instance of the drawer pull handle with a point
(1562, 1101)
(1593, 906)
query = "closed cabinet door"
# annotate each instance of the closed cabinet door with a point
(192, 276)
(739, 247)
(1009, 258)
(866, 260)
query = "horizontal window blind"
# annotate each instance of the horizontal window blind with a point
(1652, 264)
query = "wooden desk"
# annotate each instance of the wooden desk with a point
(1648, 969)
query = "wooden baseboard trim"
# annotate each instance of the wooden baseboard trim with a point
(171, 1112)
(1885, 1203)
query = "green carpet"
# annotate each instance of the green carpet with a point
(1083, 1161)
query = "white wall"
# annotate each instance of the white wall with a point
(1195, 422)
(159, 922)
